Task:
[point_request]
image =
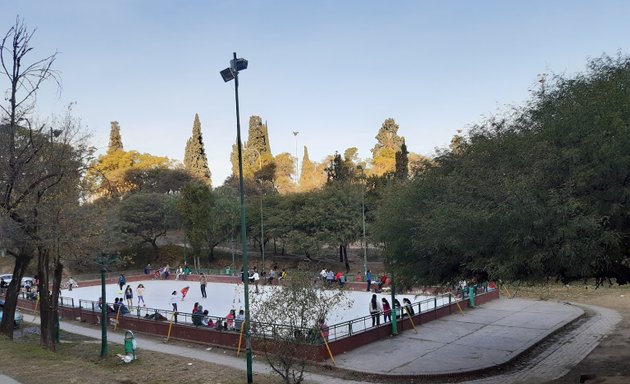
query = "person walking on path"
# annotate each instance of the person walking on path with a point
(203, 282)
(129, 296)
(140, 294)
(121, 282)
(387, 311)
(368, 277)
(375, 310)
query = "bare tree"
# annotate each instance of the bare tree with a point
(28, 170)
(286, 319)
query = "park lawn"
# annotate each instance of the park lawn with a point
(77, 360)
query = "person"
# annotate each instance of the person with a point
(229, 319)
(341, 279)
(157, 275)
(323, 329)
(174, 300)
(330, 276)
(179, 272)
(166, 271)
(155, 316)
(140, 294)
(3, 284)
(195, 307)
(375, 310)
(71, 283)
(185, 292)
(129, 296)
(240, 318)
(147, 269)
(206, 319)
(368, 277)
(397, 309)
(123, 308)
(121, 282)
(203, 282)
(382, 282)
(272, 276)
(408, 308)
(323, 274)
(256, 278)
(109, 309)
(186, 271)
(387, 311)
(197, 316)
(358, 277)
(283, 276)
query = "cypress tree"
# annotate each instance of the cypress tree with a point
(384, 152)
(195, 160)
(115, 141)
(402, 163)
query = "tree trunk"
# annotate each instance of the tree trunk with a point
(345, 257)
(156, 249)
(341, 253)
(22, 260)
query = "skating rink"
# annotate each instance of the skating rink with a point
(223, 297)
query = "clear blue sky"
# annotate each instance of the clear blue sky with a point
(332, 70)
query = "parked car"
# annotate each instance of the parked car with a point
(26, 280)
(17, 319)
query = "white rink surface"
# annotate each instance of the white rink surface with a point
(223, 297)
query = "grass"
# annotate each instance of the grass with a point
(77, 360)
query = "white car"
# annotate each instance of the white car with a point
(26, 280)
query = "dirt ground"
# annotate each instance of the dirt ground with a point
(609, 363)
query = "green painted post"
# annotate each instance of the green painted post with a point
(104, 351)
(394, 322)
(471, 296)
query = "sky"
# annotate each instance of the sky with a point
(331, 70)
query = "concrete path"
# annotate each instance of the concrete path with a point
(492, 334)
(484, 337)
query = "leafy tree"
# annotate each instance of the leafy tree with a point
(195, 160)
(157, 180)
(311, 175)
(285, 347)
(145, 217)
(208, 217)
(284, 168)
(384, 152)
(107, 175)
(115, 141)
(530, 196)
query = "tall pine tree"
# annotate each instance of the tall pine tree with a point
(115, 141)
(402, 163)
(195, 160)
(384, 152)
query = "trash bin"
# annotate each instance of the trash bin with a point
(228, 271)
(130, 346)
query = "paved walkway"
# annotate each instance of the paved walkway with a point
(492, 334)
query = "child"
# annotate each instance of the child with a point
(184, 292)
(140, 294)
(174, 300)
(129, 296)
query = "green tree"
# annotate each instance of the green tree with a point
(531, 196)
(146, 217)
(402, 163)
(195, 160)
(384, 152)
(311, 175)
(115, 141)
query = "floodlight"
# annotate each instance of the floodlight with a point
(238, 64)
(227, 74)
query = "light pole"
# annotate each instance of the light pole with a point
(297, 160)
(228, 74)
(262, 232)
(365, 268)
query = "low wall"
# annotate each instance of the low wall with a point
(230, 339)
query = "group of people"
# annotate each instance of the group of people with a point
(330, 277)
(231, 322)
(376, 308)
(275, 277)
(382, 281)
